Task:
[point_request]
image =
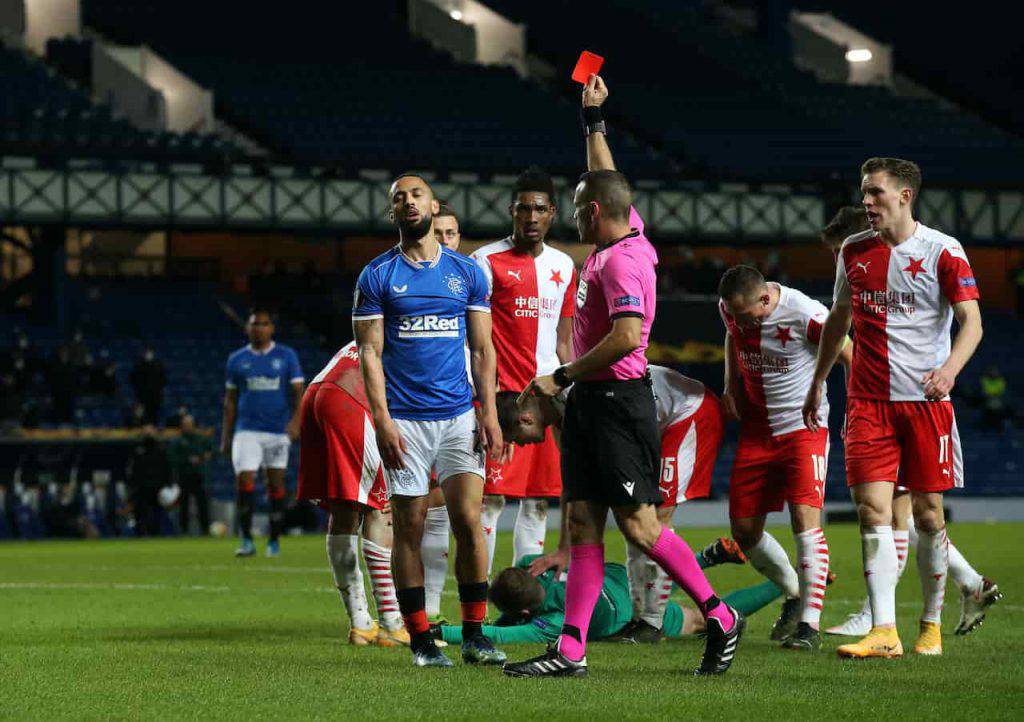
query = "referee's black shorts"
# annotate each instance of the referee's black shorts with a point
(611, 446)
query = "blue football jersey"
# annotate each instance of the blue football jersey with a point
(263, 380)
(424, 309)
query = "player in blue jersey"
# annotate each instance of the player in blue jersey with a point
(413, 310)
(261, 419)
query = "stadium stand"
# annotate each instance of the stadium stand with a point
(697, 89)
(360, 101)
(41, 114)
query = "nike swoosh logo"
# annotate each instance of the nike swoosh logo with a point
(400, 289)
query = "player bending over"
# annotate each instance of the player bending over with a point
(977, 593)
(899, 285)
(339, 467)
(261, 419)
(772, 333)
(533, 287)
(691, 427)
(413, 310)
(610, 442)
(533, 608)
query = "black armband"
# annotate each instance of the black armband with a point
(593, 120)
(561, 377)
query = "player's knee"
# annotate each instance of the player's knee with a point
(746, 533)
(342, 519)
(872, 513)
(641, 531)
(746, 538)
(493, 503)
(534, 509)
(246, 484)
(928, 515)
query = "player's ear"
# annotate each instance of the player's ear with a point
(435, 207)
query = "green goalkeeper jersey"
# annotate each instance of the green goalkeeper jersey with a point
(613, 611)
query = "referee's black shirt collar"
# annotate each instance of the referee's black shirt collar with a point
(635, 234)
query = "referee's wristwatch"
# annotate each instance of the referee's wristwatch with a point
(561, 377)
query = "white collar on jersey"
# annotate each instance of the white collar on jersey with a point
(511, 243)
(783, 293)
(418, 264)
(262, 353)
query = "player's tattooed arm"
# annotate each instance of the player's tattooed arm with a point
(227, 432)
(370, 342)
(833, 338)
(599, 155)
(939, 382)
(732, 389)
(483, 362)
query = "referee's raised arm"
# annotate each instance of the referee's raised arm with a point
(599, 155)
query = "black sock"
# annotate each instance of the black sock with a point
(276, 517)
(245, 499)
(411, 603)
(708, 604)
(572, 631)
(473, 596)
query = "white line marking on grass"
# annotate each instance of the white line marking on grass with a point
(112, 585)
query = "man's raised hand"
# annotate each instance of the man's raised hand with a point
(595, 92)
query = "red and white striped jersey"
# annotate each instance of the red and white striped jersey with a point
(343, 371)
(902, 300)
(676, 397)
(528, 297)
(777, 360)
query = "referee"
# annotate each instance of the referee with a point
(610, 440)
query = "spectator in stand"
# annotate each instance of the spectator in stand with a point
(103, 378)
(189, 457)
(135, 416)
(174, 420)
(62, 380)
(78, 350)
(11, 402)
(996, 411)
(147, 473)
(148, 379)
(64, 515)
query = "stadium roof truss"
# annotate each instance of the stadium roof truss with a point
(95, 198)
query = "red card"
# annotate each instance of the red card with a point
(588, 64)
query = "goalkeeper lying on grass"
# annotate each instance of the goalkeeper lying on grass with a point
(533, 608)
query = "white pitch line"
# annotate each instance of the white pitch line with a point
(119, 586)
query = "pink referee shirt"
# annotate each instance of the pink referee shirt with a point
(617, 280)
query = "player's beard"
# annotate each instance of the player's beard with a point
(416, 231)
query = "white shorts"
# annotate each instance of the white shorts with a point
(251, 450)
(445, 447)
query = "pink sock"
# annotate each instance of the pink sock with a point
(674, 556)
(583, 587)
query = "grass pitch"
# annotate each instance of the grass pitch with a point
(173, 629)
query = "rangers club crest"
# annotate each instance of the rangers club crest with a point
(455, 284)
